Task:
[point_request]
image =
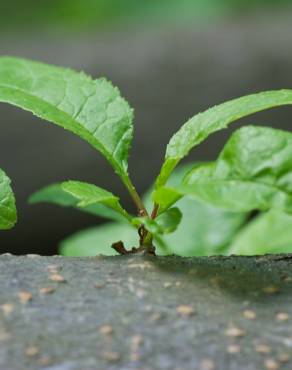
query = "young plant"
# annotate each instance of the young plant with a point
(253, 172)
(8, 215)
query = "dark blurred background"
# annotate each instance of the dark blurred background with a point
(170, 58)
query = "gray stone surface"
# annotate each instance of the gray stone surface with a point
(146, 313)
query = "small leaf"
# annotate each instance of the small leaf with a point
(165, 198)
(253, 172)
(198, 128)
(169, 220)
(8, 214)
(98, 240)
(163, 224)
(91, 109)
(84, 196)
(270, 232)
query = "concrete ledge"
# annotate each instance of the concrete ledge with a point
(145, 313)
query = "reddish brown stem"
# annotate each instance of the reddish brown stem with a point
(155, 211)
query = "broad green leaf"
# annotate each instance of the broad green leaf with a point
(198, 128)
(98, 240)
(204, 229)
(165, 223)
(8, 214)
(270, 232)
(91, 109)
(253, 172)
(84, 196)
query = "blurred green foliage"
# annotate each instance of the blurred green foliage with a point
(82, 14)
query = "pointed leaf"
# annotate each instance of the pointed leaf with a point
(84, 196)
(91, 109)
(270, 232)
(8, 215)
(198, 128)
(254, 171)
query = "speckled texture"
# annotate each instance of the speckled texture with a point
(139, 299)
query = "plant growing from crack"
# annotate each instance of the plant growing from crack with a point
(253, 171)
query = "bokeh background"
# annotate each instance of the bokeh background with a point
(170, 58)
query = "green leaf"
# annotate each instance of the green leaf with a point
(91, 109)
(204, 230)
(165, 197)
(98, 240)
(163, 224)
(198, 128)
(8, 214)
(270, 232)
(254, 171)
(84, 196)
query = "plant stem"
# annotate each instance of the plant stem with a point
(135, 196)
(155, 211)
(146, 237)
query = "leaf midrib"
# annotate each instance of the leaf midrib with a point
(108, 156)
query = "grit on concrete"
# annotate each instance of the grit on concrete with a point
(144, 313)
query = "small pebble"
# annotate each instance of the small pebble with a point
(185, 310)
(99, 285)
(284, 358)
(53, 267)
(32, 351)
(155, 317)
(106, 330)
(235, 332)
(263, 348)
(282, 316)
(143, 266)
(58, 278)
(207, 364)
(249, 314)
(271, 289)
(47, 290)
(111, 356)
(136, 342)
(45, 361)
(167, 284)
(233, 348)
(24, 297)
(7, 308)
(271, 364)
